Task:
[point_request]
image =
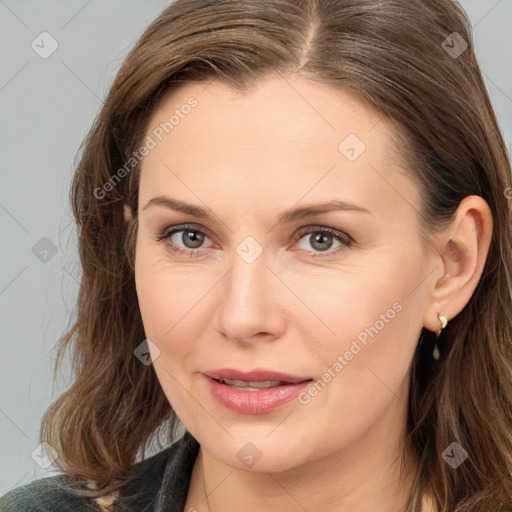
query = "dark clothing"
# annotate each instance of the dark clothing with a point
(160, 484)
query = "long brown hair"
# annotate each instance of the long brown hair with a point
(399, 57)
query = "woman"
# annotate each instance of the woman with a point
(295, 237)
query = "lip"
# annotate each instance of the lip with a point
(254, 402)
(254, 375)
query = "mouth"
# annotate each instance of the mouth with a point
(255, 392)
(254, 385)
(254, 379)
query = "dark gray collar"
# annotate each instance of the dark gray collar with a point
(160, 483)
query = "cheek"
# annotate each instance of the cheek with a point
(170, 302)
(362, 368)
(371, 317)
(168, 295)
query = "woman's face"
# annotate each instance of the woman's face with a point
(337, 296)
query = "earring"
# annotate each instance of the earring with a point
(444, 323)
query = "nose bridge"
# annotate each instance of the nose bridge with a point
(249, 295)
(249, 278)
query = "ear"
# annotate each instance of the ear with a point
(128, 213)
(461, 252)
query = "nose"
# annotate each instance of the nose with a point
(251, 302)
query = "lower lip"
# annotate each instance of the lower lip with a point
(255, 402)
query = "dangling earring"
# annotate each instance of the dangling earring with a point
(444, 323)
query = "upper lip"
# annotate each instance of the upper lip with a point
(258, 375)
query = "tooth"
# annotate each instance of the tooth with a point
(252, 384)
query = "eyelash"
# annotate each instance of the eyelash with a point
(340, 236)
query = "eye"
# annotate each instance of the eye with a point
(321, 239)
(192, 238)
(189, 236)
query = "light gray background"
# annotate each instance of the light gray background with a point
(46, 107)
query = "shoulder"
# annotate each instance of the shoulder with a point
(161, 480)
(44, 495)
(152, 482)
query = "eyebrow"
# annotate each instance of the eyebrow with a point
(287, 216)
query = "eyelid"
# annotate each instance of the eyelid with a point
(167, 231)
(345, 239)
(323, 229)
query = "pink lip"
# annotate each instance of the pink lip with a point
(254, 402)
(254, 375)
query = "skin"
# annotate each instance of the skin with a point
(246, 158)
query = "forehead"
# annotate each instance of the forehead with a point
(276, 111)
(284, 138)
